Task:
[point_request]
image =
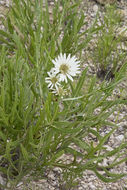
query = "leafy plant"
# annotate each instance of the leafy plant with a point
(108, 54)
(39, 129)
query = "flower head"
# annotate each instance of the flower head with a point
(66, 67)
(53, 79)
(61, 91)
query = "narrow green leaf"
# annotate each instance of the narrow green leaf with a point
(94, 132)
(5, 34)
(73, 152)
(80, 83)
(48, 108)
(2, 136)
(81, 22)
(82, 144)
(103, 178)
(56, 156)
(24, 152)
(102, 141)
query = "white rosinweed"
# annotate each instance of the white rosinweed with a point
(65, 67)
(52, 79)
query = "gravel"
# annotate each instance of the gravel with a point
(89, 181)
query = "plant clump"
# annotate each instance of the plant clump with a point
(48, 102)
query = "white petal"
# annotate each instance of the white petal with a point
(71, 62)
(64, 56)
(49, 85)
(69, 76)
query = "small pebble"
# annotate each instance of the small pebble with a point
(120, 137)
(92, 186)
(95, 8)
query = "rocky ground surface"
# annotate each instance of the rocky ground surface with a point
(89, 181)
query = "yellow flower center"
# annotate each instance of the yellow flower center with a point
(60, 90)
(64, 68)
(54, 80)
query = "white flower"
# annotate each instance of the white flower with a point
(66, 67)
(60, 91)
(52, 80)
